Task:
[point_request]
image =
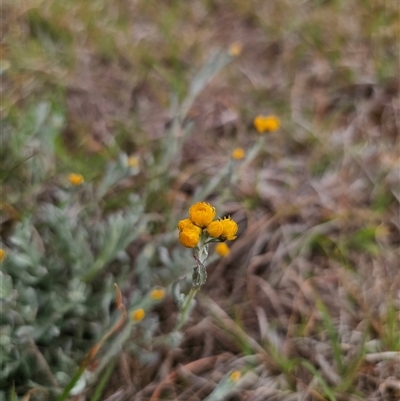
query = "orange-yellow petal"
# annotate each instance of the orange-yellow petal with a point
(201, 214)
(215, 228)
(186, 224)
(230, 228)
(189, 237)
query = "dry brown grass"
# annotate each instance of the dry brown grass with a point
(314, 274)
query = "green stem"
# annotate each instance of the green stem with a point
(103, 381)
(186, 308)
(72, 383)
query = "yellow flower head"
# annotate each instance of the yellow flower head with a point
(157, 294)
(235, 376)
(222, 249)
(75, 179)
(187, 224)
(133, 161)
(266, 124)
(215, 229)
(2, 254)
(190, 237)
(235, 49)
(230, 228)
(201, 214)
(238, 154)
(138, 314)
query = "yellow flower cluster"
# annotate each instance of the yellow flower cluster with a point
(2, 254)
(266, 124)
(201, 220)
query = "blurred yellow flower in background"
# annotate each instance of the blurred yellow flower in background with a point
(222, 249)
(238, 153)
(235, 376)
(2, 254)
(235, 49)
(133, 161)
(138, 314)
(266, 123)
(157, 294)
(75, 179)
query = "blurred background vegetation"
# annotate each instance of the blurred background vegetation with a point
(146, 101)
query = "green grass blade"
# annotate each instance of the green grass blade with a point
(332, 333)
(102, 383)
(325, 387)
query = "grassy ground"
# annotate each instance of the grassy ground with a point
(306, 305)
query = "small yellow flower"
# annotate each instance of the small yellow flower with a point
(266, 124)
(201, 214)
(238, 154)
(222, 249)
(2, 254)
(133, 161)
(189, 237)
(138, 314)
(215, 228)
(235, 376)
(235, 49)
(75, 179)
(230, 228)
(157, 294)
(187, 224)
